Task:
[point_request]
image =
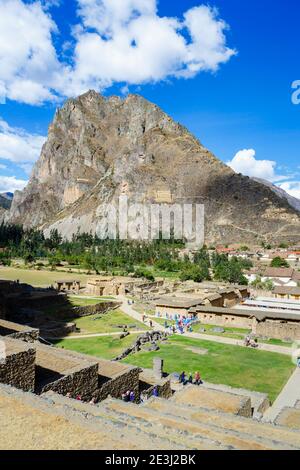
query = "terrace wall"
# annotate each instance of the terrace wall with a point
(18, 370)
(118, 385)
(83, 382)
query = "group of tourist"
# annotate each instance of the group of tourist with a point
(130, 396)
(189, 379)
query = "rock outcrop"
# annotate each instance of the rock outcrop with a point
(100, 148)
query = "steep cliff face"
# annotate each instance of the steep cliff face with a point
(99, 148)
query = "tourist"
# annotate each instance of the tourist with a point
(182, 378)
(150, 323)
(155, 391)
(132, 396)
(247, 340)
(190, 379)
(68, 395)
(93, 401)
(123, 396)
(166, 324)
(78, 398)
(198, 380)
(298, 361)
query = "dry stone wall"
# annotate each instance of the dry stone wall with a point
(121, 384)
(18, 370)
(83, 382)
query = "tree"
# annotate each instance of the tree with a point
(279, 262)
(193, 273)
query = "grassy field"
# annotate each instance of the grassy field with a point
(38, 278)
(107, 347)
(83, 302)
(107, 323)
(230, 365)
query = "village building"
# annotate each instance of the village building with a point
(67, 285)
(282, 276)
(99, 286)
(171, 306)
(281, 324)
(285, 292)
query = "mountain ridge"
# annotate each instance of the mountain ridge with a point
(99, 148)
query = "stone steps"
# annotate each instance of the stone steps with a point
(132, 416)
(227, 402)
(179, 423)
(274, 436)
(289, 417)
(37, 422)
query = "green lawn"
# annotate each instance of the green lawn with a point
(107, 323)
(107, 347)
(235, 333)
(83, 302)
(236, 366)
(38, 278)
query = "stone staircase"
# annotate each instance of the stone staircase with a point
(52, 421)
(192, 428)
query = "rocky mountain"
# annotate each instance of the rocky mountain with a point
(99, 148)
(293, 201)
(6, 200)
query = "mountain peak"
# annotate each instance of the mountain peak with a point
(100, 147)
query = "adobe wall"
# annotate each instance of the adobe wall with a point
(18, 370)
(224, 319)
(115, 387)
(279, 330)
(171, 311)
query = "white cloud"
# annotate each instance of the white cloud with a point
(115, 41)
(28, 61)
(131, 43)
(11, 184)
(245, 162)
(292, 188)
(19, 146)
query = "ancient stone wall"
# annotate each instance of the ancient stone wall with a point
(128, 380)
(101, 309)
(164, 390)
(279, 330)
(18, 370)
(28, 336)
(83, 382)
(147, 337)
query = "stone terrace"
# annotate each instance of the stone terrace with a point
(214, 399)
(52, 421)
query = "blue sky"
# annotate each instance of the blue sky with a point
(230, 85)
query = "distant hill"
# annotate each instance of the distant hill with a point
(293, 201)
